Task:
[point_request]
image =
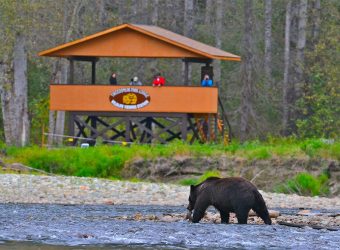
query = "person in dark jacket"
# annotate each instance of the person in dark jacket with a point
(113, 79)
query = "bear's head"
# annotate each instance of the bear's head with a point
(196, 190)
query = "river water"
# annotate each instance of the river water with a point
(71, 227)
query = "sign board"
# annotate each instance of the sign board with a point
(129, 98)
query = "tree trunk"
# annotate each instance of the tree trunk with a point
(218, 37)
(301, 44)
(14, 95)
(52, 114)
(316, 21)
(268, 43)
(8, 101)
(134, 11)
(247, 71)
(188, 31)
(154, 21)
(68, 30)
(102, 15)
(208, 12)
(285, 103)
(189, 18)
(60, 116)
(154, 14)
(20, 81)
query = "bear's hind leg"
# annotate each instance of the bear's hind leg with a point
(261, 209)
(264, 215)
(224, 216)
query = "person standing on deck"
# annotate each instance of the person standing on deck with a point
(158, 80)
(135, 82)
(206, 82)
(113, 79)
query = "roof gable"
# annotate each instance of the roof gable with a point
(129, 40)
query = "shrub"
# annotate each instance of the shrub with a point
(90, 162)
(305, 184)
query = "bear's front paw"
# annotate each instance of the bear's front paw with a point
(189, 216)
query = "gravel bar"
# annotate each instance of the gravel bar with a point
(22, 188)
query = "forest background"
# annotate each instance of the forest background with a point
(287, 83)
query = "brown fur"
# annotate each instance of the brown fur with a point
(227, 195)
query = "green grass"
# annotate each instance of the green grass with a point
(195, 181)
(96, 162)
(305, 184)
(108, 161)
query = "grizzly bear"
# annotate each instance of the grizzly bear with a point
(227, 195)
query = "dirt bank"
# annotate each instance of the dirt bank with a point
(265, 174)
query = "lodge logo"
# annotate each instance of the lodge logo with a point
(129, 98)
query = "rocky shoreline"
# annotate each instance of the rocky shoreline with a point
(22, 188)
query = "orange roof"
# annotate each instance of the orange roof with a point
(132, 40)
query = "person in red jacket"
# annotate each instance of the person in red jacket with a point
(158, 80)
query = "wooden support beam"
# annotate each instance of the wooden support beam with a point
(149, 131)
(93, 125)
(81, 129)
(109, 127)
(209, 128)
(71, 75)
(71, 124)
(127, 129)
(134, 136)
(161, 129)
(215, 127)
(93, 75)
(193, 127)
(167, 128)
(184, 127)
(186, 73)
(84, 58)
(86, 125)
(149, 126)
(198, 60)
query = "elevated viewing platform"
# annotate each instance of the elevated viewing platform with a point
(140, 113)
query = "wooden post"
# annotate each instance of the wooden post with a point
(71, 78)
(148, 125)
(209, 129)
(93, 81)
(186, 73)
(93, 124)
(93, 75)
(127, 129)
(71, 126)
(215, 127)
(184, 127)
